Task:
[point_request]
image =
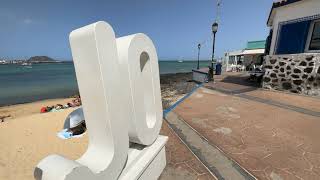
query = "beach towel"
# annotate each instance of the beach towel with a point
(64, 134)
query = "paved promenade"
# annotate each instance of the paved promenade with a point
(242, 132)
(181, 163)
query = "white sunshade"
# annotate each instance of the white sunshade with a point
(74, 119)
(253, 51)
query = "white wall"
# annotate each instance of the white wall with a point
(290, 12)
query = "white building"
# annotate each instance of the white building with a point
(242, 59)
(294, 27)
(233, 59)
(3, 62)
(293, 47)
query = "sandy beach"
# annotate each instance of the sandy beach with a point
(27, 136)
(27, 139)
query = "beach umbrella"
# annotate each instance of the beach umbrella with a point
(74, 119)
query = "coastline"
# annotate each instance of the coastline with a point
(173, 87)
(28, 135)
(25, 84)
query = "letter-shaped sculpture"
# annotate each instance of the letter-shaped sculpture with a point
(138, 55)
(120, 90)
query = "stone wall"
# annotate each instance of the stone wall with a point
(295, 73)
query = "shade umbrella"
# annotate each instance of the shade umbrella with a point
(74, 119)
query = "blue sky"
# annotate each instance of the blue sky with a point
(40, 27)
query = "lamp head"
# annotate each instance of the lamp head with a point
(215, 27)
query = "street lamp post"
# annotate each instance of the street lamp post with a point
(199, 46)
(214, 31)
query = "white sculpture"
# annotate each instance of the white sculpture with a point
(120, 90)
(137, 55)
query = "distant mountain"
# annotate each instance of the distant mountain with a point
(41, 59)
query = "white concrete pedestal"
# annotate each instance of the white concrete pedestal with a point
(145, 163)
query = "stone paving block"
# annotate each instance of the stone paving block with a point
(271, 142)
(181, 163)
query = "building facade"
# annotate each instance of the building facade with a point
(293, 47)
(294, 27)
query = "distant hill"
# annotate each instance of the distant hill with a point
(41, 59)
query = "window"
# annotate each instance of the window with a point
(314, 39)
(292, 37)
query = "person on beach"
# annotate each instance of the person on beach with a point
(79, 129)
(74, 103)
(73, 125)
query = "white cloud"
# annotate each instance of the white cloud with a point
(27, 21)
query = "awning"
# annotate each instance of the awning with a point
(253, 51)
(235, 53)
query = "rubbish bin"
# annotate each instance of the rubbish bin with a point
(218, 69)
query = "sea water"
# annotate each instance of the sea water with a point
(21, 84)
